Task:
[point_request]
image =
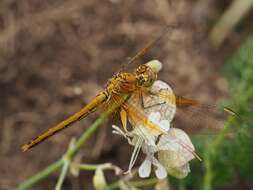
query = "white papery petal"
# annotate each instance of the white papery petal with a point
(145, 168)
(154, 117)
(165, 125)
(158, 84)
(160, 171)
(180, 172)
(175, 149)
(167, 109)
(145, 134)
(168, 142)
(149, 150)
(183, 139)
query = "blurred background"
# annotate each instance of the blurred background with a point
(56, 55)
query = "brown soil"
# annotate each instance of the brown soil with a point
(56, 55)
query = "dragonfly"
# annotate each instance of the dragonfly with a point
(137, 82)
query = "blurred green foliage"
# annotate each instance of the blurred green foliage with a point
(228, 162)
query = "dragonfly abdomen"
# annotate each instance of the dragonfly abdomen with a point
(86, 110)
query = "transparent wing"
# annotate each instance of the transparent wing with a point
(139, 115)
(171, 109)
(195, 116)
(191, 115)
(148, 46)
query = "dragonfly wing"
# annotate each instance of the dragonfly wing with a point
(191, 115)
(195, 116)
(175, 146)
(149, 45)
(175, 109)
(139, 116)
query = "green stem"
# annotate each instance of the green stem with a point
(181, 185)
(236, 11)
(71, 152)
(85, 136)
(140, 183)
(210, 151)
(208, 174)
(92, 167)
(63, 175)
(145, 182)
(41, 175)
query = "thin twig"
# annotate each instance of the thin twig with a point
(41, 175)
(143, 183)
(140, 183)
(71, 152)
(237, 10)
(210, 151)
(65, 166)
(63, 175)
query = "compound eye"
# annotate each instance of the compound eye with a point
(141, 69)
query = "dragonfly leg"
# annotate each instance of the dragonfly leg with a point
(123, 118)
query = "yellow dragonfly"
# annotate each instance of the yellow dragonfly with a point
(124, 83)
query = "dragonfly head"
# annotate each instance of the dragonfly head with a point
(146, 74)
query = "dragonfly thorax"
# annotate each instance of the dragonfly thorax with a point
(124, 83)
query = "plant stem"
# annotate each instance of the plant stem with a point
(145, 182)
(90, 167)
(73, 150)
(41, 175)
(63, 175)
(236, 11)
(85, 136)
(140, 183)
(208, 174)
(107, 166)
(210, 151)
